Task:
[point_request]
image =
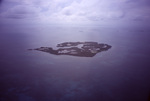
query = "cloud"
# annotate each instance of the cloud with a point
(90, 11)
(0, 1)
(21, 12)
(96, 11)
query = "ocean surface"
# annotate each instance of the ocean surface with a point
(120, 74)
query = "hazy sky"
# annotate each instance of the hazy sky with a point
(74, 11)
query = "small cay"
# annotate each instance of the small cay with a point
(82, 49)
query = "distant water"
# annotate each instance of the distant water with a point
(120, 74)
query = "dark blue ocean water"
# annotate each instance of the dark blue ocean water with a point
(120, 74)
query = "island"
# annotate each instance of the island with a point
(82, 49)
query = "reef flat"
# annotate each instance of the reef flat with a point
(82, 49)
